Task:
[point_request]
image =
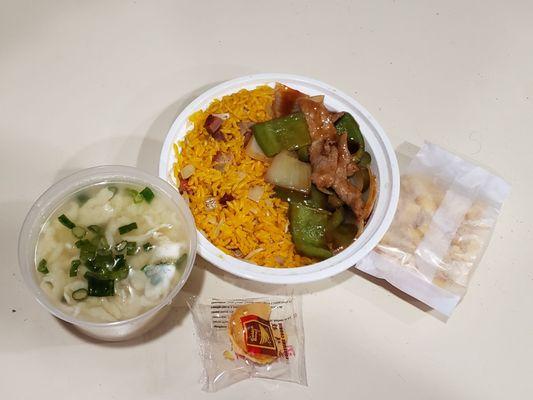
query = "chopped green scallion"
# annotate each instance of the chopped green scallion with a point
(80, 243)
(121, 246)
(42, 268)
(82, 198)
(99, 287)
(87, 251)
(148, 246)
(103, 252)
(80, 294)
(66, 222)
(121, 272)
(127, 228)
(131, 248)
(103, 244)
(135, 195)
(74, 265)
(147, 194)
(79, 232)
(95, 229)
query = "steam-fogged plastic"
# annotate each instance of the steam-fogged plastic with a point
(225, 365)
(446, 213)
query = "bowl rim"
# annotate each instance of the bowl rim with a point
(52, 197)
(313, 272)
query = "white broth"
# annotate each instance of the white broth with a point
(111, 252)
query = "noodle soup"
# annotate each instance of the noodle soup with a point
(111, 252)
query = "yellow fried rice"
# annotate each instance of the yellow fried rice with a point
(255, 231)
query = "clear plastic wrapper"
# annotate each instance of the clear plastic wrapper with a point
(249, 338)
(446, 213)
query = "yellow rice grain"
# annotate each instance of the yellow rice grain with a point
(244, 226)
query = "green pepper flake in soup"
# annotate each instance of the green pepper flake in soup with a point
(92, 257)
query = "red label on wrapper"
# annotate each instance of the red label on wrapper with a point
(258, 336)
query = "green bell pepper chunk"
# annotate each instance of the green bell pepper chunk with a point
(343, 236)
(312, 251)
(347, 124)
(303, 154)
(362, 158)
(336, 219)
(315, 198)
(365, 159)
(308, 230)
(285, 133)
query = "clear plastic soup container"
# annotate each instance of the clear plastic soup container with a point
(384, 166)
(53, 198)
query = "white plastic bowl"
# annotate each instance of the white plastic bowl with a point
(384, 165)
(53, 198)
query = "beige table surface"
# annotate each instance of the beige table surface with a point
(97, 82)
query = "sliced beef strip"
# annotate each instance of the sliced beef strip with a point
(344, 189)
(319, 119)
(330, 159)
(345, 157)
(323, 156)
(323, 151)
(350, 195)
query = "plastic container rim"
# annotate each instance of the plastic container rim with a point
(57, 193)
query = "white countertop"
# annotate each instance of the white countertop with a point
(89, 83)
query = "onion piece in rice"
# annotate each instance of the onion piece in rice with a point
(255, 193)
(253, 253)
(211, 203)
(241, 175)
(289, 172)
(244, 126)
(254, 151)
(187, 171)
(221, 159)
